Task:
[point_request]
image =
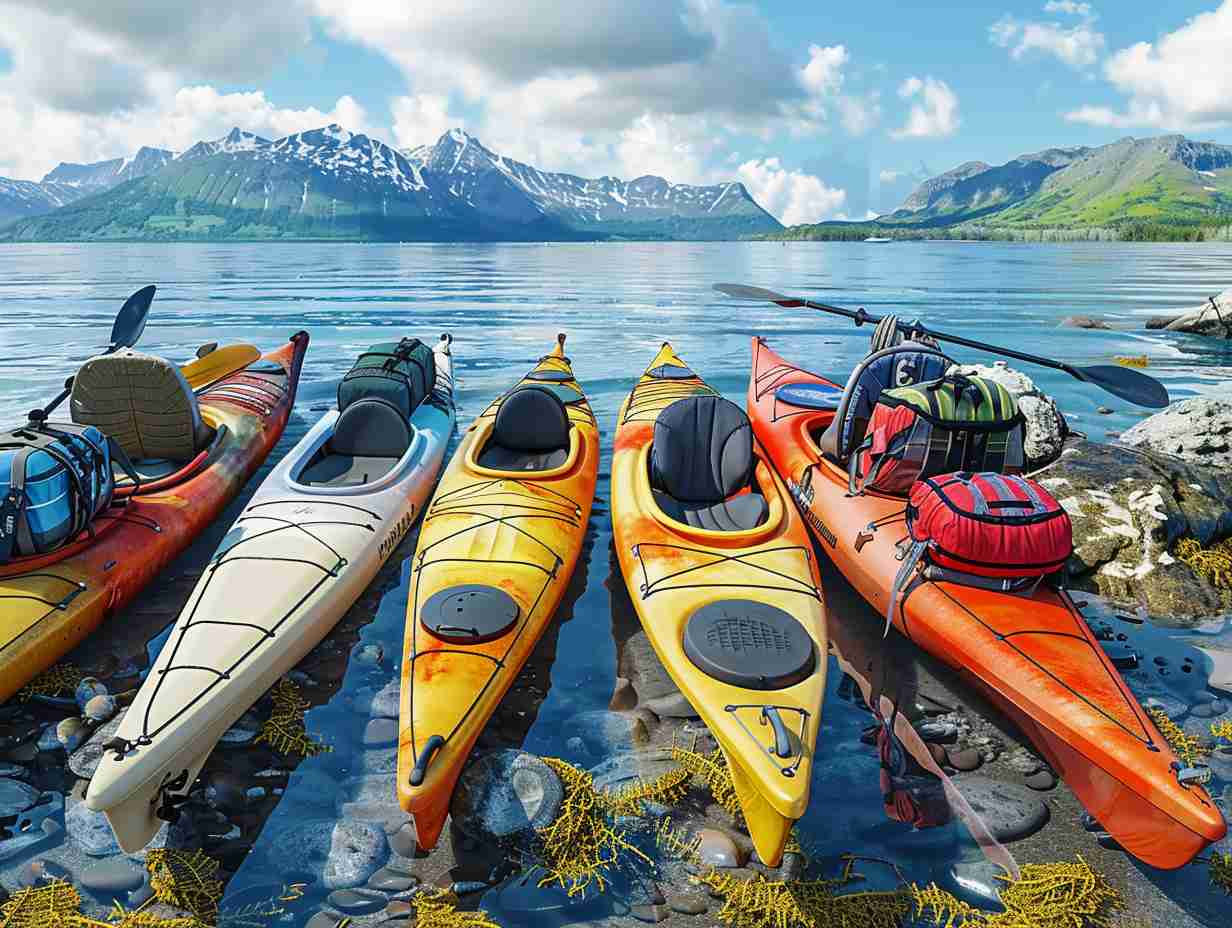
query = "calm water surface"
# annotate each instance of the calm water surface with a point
(505, 303)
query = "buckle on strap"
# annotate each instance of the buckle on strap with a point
(1197, 775)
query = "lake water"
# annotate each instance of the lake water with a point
(504, 304)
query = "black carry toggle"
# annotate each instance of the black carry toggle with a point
(782, 742)
(434, 744)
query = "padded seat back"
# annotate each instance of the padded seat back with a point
(897, 366)
(531, 432)
(141, 401)
(371, 428)
(702, 450)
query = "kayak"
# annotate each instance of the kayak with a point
(53, 601)
(1032, 653)
(498, 546)
(724, 581)
(303, 550)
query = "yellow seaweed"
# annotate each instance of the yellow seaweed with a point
(54, 681)
(712, 770)
(284, 730)
(1221, 871)
(439, 909)
(1212, 563)
(1188, 748)
(762, 903)
(1222, 730)
(185, 880)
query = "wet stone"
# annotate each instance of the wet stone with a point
(691, 904)
(937, 731)
(380, 733)
(624, 696)
(87, 689)
(1010, 812)
(49, 740)
(71, 733)
(39, 871)
(116, 874)
(378, 704)
(16, 797)
(403, 841)
(1041, 780)
(716, 849)
(1209, 709)
(392, 880)
(85, 760)
(357, 901)
(964, 759)
(322, 920)
(650, 913)
(399, 909)
(344, 854)
(505, 793)
(100, 708)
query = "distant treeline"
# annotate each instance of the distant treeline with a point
(970, 232)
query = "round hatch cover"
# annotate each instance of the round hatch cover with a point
(671, 372)
(749, 644)
(470, 613)
(550, 376)
(810, 395)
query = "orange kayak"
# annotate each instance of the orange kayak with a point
(1032, 654)
(496, 551)
(52, 601)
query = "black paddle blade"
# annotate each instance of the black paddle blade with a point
(741, 292)
(130, 320)
(1130, 385)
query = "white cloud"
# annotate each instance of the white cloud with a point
(889, 177)
(1078, 46)
(934, 114)
(420, 119)
(860, 115)
(792, 196)
(824, 72)
(1180, 82)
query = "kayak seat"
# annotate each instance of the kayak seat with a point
(370, 437)
(531, 433)
(148, 470)
(701, 460)
(897, 366)
(143, 402)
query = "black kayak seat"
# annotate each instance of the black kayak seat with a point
(531, 433)
(369, 438)
(897, 366)
(701, 459)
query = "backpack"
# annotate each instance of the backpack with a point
(954, 423)
(992, 531)
(55, 478)
(402, 374)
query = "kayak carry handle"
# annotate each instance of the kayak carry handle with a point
(560, 339)
(420, 770)
(782, 742)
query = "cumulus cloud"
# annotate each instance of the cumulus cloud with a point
(934, 112)
(421, 118)
(888, 177)
(793, 197)
(1180, 82)
(1078, 46)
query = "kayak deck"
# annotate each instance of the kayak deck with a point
(1031, 652)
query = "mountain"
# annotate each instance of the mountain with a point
(647, 207)
(333, 184)
(20, 199)
(1167, 186)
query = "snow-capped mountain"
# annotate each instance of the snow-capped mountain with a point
(332, 183)
(22, 198)
(103, 175)
(490, 181)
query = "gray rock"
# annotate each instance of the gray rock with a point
(114, 875)
(71, 733)
(379, 760)
(1084, 322)
(1220, 762)
(624, 696)
(16, 797)
(1041, 781)
(357, 901)
(1009, 812)
(1198, 429)
(624, 769)
(716, 849)
(1128, 507)
(1046, 426)
(371, 798)
(308, 787)
(687, 904)
(975, 880)
(505, 793)
(368, 655)
(393, 880)
(380, 733)
(605, 732)
(404, 841)
(43, 830)
(87, 689)
(1208, 710)
(650, 913)
(1172, 707)
(671, 706)
(378, 704)
(84, 761)
(1206, 319)
(100, 708)
(344, 854)
(49, 741)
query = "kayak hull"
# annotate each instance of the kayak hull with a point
(53, 602)
(288, 569)
(521, 533)
(672, 570)
(1033, 655)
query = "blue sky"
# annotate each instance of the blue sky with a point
(823, 110)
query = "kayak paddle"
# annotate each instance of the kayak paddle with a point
(1128, 384)
(127, 328)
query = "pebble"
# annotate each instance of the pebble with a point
(87, 689)
(965, 759)
(1041, 780)
(1010, 812)
(85, 760)
(505, 793)
(369, 655)
(938, 753)
(71, 733)
(100, 708)
(378, 704)
(242, 732)
(404, 841)
(116, 874)
(937, 731)
(380, 733)
(650, 913)
(717, 849)
(392, 879)
(357, 901)
(1206, 710)
(48, 741)
(1023, 761)
(976, 881)
(691, 904)
(399, 909)
(671, 706)
(16, 797)
(39, 871)
(322, 920)
(1174, 708)
(254, 793)
(44, 829)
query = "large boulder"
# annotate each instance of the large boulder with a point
(1197, 429)
(1211, 318)
(1129, 507)
(1046, 427)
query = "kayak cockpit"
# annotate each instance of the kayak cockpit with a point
(369, 439)
(531, 432)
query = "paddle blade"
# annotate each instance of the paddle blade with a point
(130, 320)
(1129, 384)
(760, 294)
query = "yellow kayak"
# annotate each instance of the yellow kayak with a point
(721, 571)
(497, 548)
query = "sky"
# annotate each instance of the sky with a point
(824, 111)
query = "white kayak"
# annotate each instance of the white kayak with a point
(312, 539)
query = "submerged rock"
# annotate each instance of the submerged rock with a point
(1009, 812)
(1213, 317)
(1046, 427)
(1197, 429)
(505, 793)
(1084, 322)
(16, 797)
(1129, 508)
(344, 854)
(85, 759)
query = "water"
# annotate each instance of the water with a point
(504, 305)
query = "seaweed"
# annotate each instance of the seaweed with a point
(54, 681)
(439, 909)
(712, 770)
(185, 880)
(284, 730)
(1221, 871)
(1222, 730)
(762, 903)
(49, 906)
(667, 788)
(1212, 563)
(1188, 748)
